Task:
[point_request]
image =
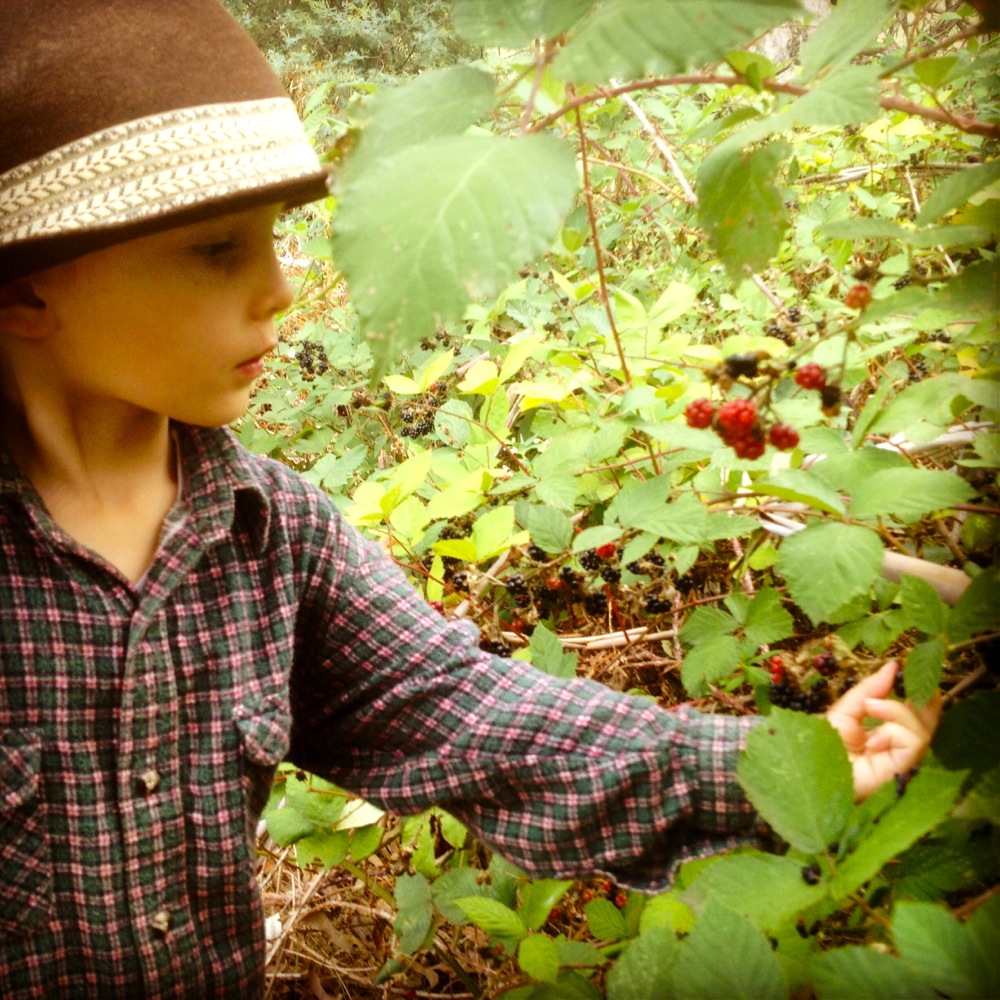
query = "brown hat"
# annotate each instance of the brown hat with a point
(119, 118)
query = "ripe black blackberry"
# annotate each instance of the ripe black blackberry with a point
(312, 359)
(610, 574)
(811, 874)
(570, 576)
(596, 602)
(498, 647)
(817, 698)
(516, 584)
(460, 582)
(590, 560)
(536, 554)
(783, 694)
(825, 664)
(794, 313)
(657, 605)
(637, 567)
(902, 281)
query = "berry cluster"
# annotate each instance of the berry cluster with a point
(418, 416)
(858, 296)
(312, 359)
(784, 690)
(813, 376)
(739, 425)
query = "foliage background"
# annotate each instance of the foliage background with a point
(554, 225)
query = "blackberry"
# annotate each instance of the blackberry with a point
(596, 602)
(516, 584)
(830, 398)
(825, 664)
(312, 359)
(635, 567)
(522, 599)
(902, 281)
(811, 874)
(496, 646)
(569, 576)
(656, 605)
(655, 558)
(611, 574)
(408, 414)
(460, 582)
(590, 560)
(818, 696)
(536, 554)
(902, 780)
(794, 313)
(741, 365)
(783, 694)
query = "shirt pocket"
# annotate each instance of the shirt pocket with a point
(25, 860)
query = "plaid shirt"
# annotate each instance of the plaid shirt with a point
(140, 727)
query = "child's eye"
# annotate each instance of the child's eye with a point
(216, 250)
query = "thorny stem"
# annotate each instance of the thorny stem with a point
(598, 250)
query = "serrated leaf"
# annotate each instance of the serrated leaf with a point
(839, 37)
(725, 956)
(286, 826)
(329, 847)
(538, 956)
(415, 912)
(550, 529)
(515, 24)
(646, 968)
(799, 486)
(436, 103)
(450, 220)
(548, 655)
(923, 669)
(978, 609)
(929, 798)
(538, 897)
(455, 883)
(705, 624)
(846, 97)
(956, 190)
(604, 920)
(633, 38)
(796, 773)
(767, 619)
(922, 605)
(765, 888)
(741, 206)
(863, 229)
(969, 736)
(829, 564)
(937, 948)
(493, 532)
(908, 494)
(855, 971)
(492, 917)
(709, 662)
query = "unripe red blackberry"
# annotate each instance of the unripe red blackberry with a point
(810, 376)
(784, 437)
(700, 413)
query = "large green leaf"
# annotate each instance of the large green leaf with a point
(955, 191)
(978, 609)
(846, 97)
(741, 207)
(646, 968)
(859, 973)
(514, 24)
(438, 103)
(634, 38)
(908, 494)
(838, 38)
(421, 234)
(796, 773)
(829, 564)
(800, 486)
(725, 956)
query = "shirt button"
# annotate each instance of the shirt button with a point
(147, 782)
(160, 923)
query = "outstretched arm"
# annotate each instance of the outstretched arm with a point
(882, 752)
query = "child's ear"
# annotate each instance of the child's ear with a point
(22, 312)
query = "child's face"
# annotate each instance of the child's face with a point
(176, 323)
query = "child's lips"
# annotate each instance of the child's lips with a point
(253, 367)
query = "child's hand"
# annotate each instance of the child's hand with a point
(901, 741)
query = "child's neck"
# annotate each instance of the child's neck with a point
(107, 478)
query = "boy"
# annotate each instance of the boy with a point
(177, 616)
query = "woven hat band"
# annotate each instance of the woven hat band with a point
(156, 166)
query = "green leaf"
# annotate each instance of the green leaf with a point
(705, 624)
(438, 103)
(859, 973)
(548, 655)
(829, 564)
(538, 956)
(634, 38)
(956, 190)
(930, 400)
(493, 917)
(923, 668)
(286, 826)
(928, 800)
(846, 97)
(456, 883)
(923, 607)
(515, 24)
(365, 841)
(765, 888)
(646, 968)
(796, 773)
(908, 494)
(421, 234)
(741, 207)
(969, 736)
(724, 956)
(978, 610)
(330, 847)
(983, 927)
(863, 229)
(604, 920)
(939, 949)
(767, 620)
(838, 38)
(709, 662)
(537, 899)
(550, 529)
(492, 532)
(801, 487)
(415, 912)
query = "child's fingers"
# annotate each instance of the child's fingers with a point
(903, 732)
(878, 685)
